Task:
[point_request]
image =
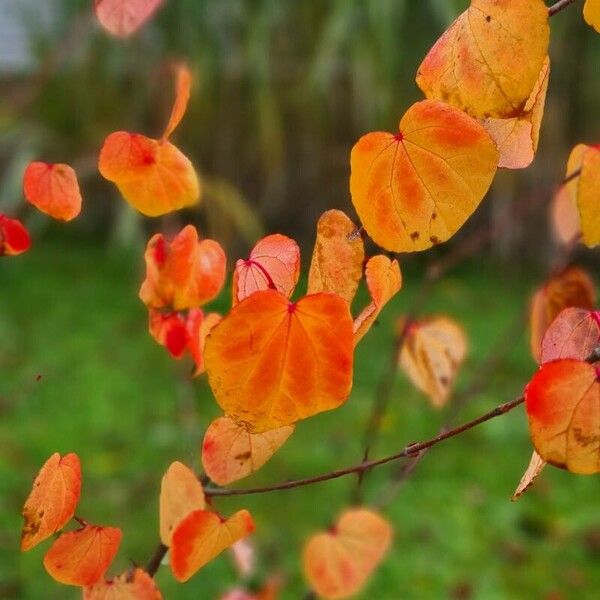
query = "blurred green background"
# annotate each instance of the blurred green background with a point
(283, 90)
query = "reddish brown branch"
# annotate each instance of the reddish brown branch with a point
(558, 6)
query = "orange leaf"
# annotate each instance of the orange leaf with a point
(416, 188)
(124, 17)
(82, 557)
(271, 362)
(535, 467)
(154, 176)
(566, 224)
(432, 354)
(182, 273)
(14, 238)
(170, 331)
(337, 260)
(563, 405)
(53, 499)
(574, 333)
(338, 563)
(273, 263)
(488, 60)
(183, 87)
(231, 452)
(517, 138)
(136, 585)
(591, 13)
(53, 189)
(180, 494)
(572, 287)
(384, 281)
(199, 326)
(202, 536)
(585, 188)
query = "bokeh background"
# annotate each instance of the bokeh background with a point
(283, 89)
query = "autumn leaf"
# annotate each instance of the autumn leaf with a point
(182, 273)
(274, 263)
(199, 326)
(202, 536)
(14, 237)
(338, 255)
(384, 281)
(431, 355)
(591, 13)
(338, 563)
(231, 452)
(124, 17)
(535, 467)
(563, 406)
(132, 585)
(183, 86)
(416, 188)
(271, 362)
(53, 498)
(572, 287)
(586, 160)
(517, 137)
(53, 189)
(82, 557)
(488, 60)
(564, 216)
(180, 494)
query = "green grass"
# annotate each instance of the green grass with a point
(69, 312)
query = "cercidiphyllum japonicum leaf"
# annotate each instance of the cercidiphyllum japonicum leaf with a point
(591, 13)
(564, 216)
(183, 272)
(14, 237)
(416, 188)
(535, 467)
(337, 563)
(337, 260)
(274, 263)
(432, 354)
(517, 137)
(563, 406)
(123, 17)
(82, 557)
(272, 362)
(180, 494)
(202, 536)
(131, 585)
(53, 498)
(572, 287)
(53, 189)
(586, 188)
(487, 62)
(230, 452)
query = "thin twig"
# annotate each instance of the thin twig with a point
(558, 6)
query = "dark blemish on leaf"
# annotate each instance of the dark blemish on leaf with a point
(433, 216)
(243, 456)
(434, 240)
(488, 18)
(414, 236)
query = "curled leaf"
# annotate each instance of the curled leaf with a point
(14, 237)
(183, 86)
(535, 467)
(124, 17)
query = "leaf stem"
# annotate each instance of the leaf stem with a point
(558, 6)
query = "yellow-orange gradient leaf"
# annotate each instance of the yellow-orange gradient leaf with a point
(535, 467)
(274, 263)
(180, 494)
(230, 452)
(563, 406)
(154, 176)
(53, 498)
(52, 189)
(202, 536)
(82, 557)
(183, 86)
(586, 188)
(124, 17)
(517, 138)
(133, 585)
(271, 362)
(384, 281)
(591, 13)
(338, 255)
(572, 287)
(431, 356)
(416, 188)
(487, 62)
(564, 216)
(182, 273)
(337, 563)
